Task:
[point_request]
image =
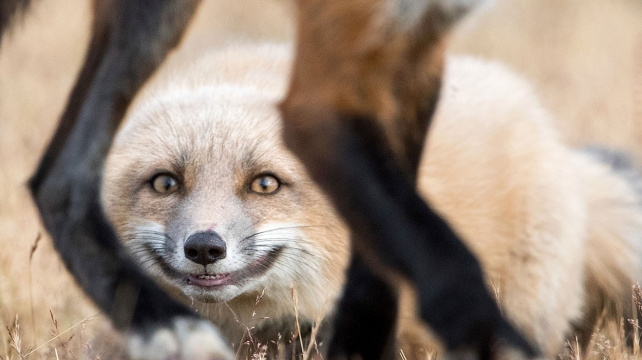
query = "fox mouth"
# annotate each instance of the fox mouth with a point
(256, 268)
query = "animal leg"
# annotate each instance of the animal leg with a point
(366, 316)
(130, 39)
(356, 114)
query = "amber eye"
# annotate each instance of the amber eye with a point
(164, 184)
(265, 184)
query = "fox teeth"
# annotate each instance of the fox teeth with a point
(210, 277)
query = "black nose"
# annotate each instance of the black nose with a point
(204, 247)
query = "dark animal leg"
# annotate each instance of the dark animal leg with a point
(382, 207)
(364, 324)
(362, 94)
(130, 40)
(101, 27)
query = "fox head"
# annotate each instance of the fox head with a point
(202, 190)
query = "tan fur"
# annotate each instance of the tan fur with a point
(556, 230)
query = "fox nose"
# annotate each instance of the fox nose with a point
(204, 247)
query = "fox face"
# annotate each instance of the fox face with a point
(207, 198)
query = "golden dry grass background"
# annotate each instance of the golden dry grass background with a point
(585, 57)
(38, 63)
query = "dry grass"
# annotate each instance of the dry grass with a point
(584, 55)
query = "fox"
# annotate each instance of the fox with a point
(212, 204)
(363, 88)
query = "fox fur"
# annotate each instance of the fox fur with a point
(557, 230)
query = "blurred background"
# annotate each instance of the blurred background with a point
(583, 56)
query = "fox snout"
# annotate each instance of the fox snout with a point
(205, 247)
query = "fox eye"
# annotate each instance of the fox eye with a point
(265, 184)
(164, 184)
